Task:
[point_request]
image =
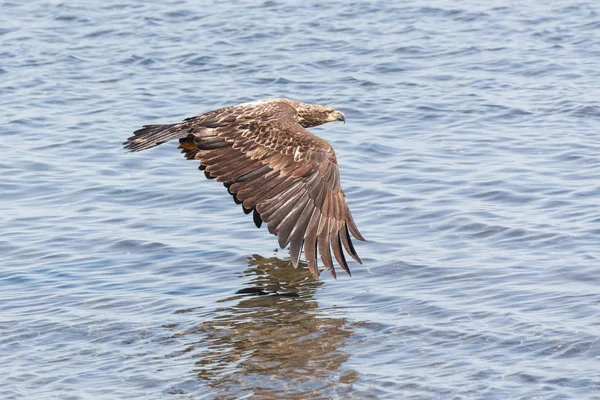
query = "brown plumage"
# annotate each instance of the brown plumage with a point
(278, 170)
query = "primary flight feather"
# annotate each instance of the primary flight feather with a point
(282, 173)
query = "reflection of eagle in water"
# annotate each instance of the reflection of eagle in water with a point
(274, 167)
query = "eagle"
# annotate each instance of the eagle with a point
(275, 168)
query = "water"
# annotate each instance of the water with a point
(470, 161)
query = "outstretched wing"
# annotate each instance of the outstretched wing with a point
(276, 169)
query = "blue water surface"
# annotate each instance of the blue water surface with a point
(470, 160)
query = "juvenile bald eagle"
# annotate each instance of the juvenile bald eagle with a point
(275, 168)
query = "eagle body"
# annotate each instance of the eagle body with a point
(275, 168)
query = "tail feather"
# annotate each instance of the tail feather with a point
(153, 135)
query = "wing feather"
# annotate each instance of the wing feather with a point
(274, 209)
(336, 247)
(345, 236)
(323, 244)
(310, 243)
(249, 176)
(291, 220)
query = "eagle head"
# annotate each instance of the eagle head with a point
(310, 115)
